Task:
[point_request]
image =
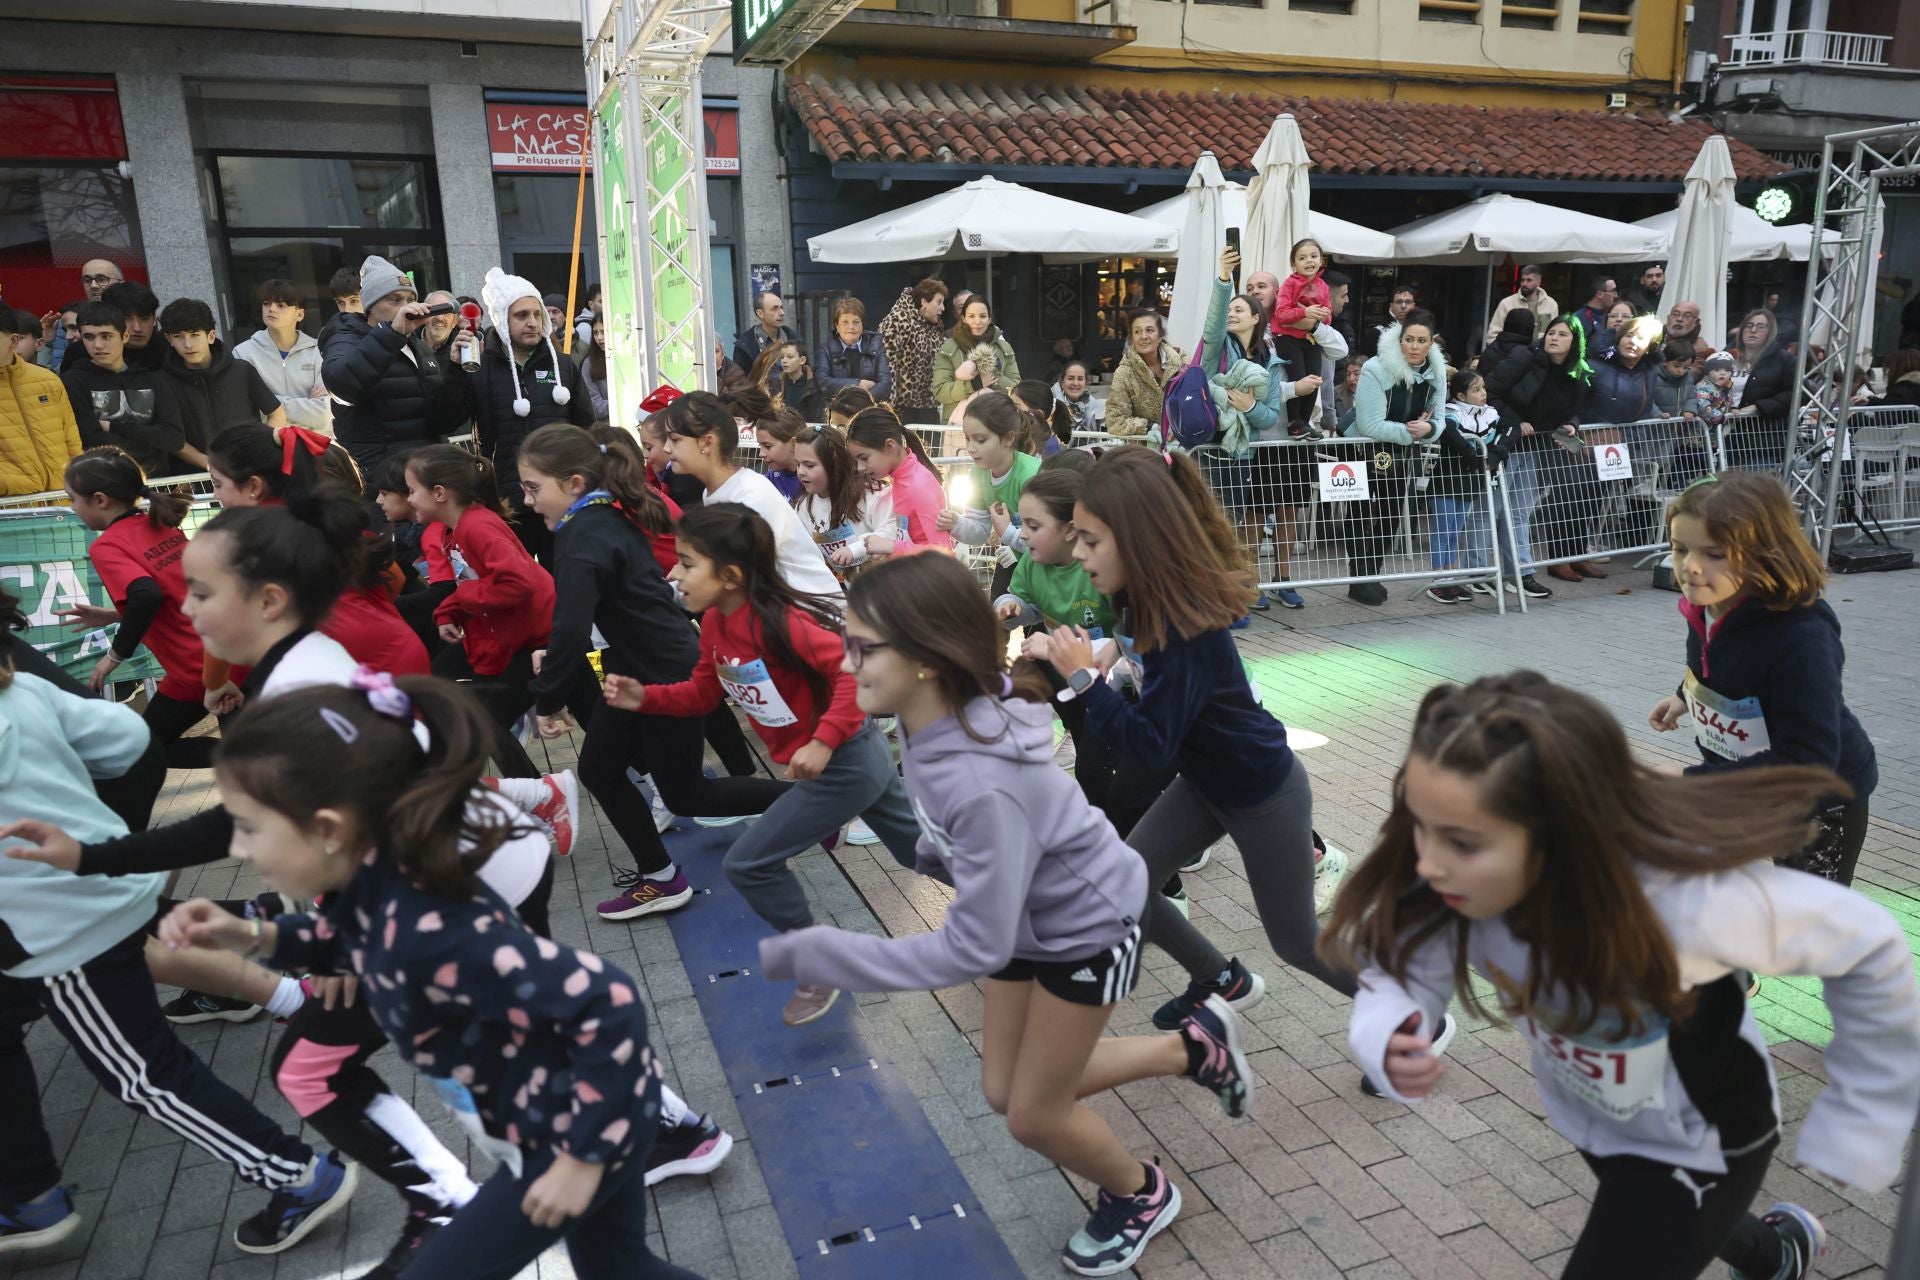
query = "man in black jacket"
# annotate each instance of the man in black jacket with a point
(391, 392)
(214, 390)
(142, 348)
(115, 403)
(523, 383)
(771, 312)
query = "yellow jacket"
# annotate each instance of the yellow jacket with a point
(37, 431)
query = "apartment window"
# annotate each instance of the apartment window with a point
(1605, 17)
(1467, 11)
(1321, 6)
(1242, 4)
(1536, 15)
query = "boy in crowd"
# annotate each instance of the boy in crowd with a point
(214, 391)
(118, 403)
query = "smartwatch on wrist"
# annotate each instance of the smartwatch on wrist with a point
(1078, 682)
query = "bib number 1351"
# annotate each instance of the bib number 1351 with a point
(1618, 1080)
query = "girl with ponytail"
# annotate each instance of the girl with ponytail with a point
(884, 450)
(1047, 903)
(137, 559)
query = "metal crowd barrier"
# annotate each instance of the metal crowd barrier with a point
(1880, 480)
(1604, 497)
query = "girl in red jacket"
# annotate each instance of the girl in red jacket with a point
(501, 608)
(778, 653)
(1303, 301)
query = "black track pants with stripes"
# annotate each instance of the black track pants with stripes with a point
(107, 1011)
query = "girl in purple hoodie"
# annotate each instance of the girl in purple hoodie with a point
(1047, 908)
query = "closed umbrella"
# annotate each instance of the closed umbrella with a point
(1276, 200)
(1337, 236)
(1697, 263)
(1203, 234)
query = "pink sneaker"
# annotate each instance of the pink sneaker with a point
(560, 811)
(640, 896)
(808, 1003)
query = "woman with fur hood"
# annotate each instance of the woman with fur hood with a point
(1139, 394)
(1403, 389)
(975, 356)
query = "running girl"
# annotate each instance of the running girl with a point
(1609, 905)
(775, 437)
(137, 558)
(702, 437)
(886, 451)
(850, 519)
(995, 436)
(1151, 536)
(1764, 659)
(1047, 905)
(777, 654)
(678, 487)
(848, 403)
(601, 510)
(501, 605)
(361, 794)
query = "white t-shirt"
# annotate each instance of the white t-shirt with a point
(801, 563)
(874, 516)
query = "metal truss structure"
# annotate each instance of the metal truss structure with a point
(1838, 306)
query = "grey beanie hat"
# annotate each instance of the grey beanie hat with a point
(378, 278)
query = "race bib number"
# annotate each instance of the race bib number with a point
(460, 1102)
(1618, 1079)
(835, 539)
(749, 684)
(1731, 728)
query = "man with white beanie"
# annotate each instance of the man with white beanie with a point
(391, 392)
(523, 382)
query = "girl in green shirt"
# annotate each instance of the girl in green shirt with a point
(1000, 440)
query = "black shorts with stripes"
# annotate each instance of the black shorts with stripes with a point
(1103, 978)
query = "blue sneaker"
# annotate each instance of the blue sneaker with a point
(1223, 1067)
(293, 1214)
(1241, 624)
(1263, 603)
(1117, 1233)
(38, 1224)
(1289, 598)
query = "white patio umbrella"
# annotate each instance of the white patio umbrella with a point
(1203, 233)
(987, 217)
(1336, 235)
(1276, 200)
(1697, 261)
(1488, 229)
(1750, 237)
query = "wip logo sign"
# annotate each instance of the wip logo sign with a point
(1343, 481)
(1613, 462)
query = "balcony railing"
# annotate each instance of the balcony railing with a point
(1806, 49)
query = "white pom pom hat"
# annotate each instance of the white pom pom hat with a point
(499, 293)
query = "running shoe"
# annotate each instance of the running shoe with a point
(724, 820)
(1242, 990)
(1802, 1236)
(1204, 857)
(1326, 878)
(1531, 585)
(1178, 898)
(1263, 602)
(38, 1224)
(663, 817)
(1439, 1046)
(421, 1226)
(858, 832)
(1221, 1064)
(1117, 1233)
(1241, 624)
(808, 1004)
(190, 1007)
(1290, 599)
(560, 811)
(1370, 593)
(1482, 588)
(292, 1215)
(695, 1145)
(1447, 593)
(640, 896)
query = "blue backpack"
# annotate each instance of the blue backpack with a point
(1190, 418)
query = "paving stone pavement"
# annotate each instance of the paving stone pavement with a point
(1320, 1181)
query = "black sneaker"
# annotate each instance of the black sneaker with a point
(1482, 588)
(1802, 1236)
(420, 1227)
(1242, 990)
(291, 1215)
(696, 1145)
(1367, 593)
(38, 1224)
(1117, 1233)
(1446, 593)
(1531, 585)
(190, 1007)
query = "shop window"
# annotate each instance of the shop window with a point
(1125, 285)
(1321, 6)
(324, 191)
(1606, 17)
(55, 217)
(1534, 15)
(1463, 11)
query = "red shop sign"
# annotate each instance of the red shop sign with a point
(528, 137)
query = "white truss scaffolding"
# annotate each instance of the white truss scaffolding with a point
(1839, 307)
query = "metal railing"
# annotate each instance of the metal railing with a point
(1806, 49)
(1879, 481)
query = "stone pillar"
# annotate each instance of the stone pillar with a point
(166, 188)
(464, 161)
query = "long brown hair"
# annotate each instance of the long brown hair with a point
(1001, 414)
(846, 488)
(327, 748)
(110, 471)
(1185, 571)
(467, 476)
(733, 536)
(700, 413)
(606, 458)
(873, 428)
(931, 611)
(1557, 763)
(1750, 515)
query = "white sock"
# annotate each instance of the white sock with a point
(663, 875)
(287, 998)
(528, 793)
(673, 1109)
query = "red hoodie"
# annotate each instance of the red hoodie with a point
(778, 699)
(502, 598)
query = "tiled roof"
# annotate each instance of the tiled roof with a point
(1099, 126)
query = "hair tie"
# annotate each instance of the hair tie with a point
(293, 437)
(387, 699)
(602, 448)
(1006, 685)
(1166, 456)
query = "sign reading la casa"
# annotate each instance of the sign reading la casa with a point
(527, 137)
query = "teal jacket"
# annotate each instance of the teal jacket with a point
(1380, 375)
(1267, 418)
(52, 746)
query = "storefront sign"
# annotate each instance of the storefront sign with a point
(530, 137)
(60, 118)
(1343, 481)
(723, 140)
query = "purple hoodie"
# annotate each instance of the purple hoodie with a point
(1040, 873)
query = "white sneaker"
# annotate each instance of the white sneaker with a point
(858, 832)
(729, 820)
(1206, 856)
(1326, 879)
(663, 817)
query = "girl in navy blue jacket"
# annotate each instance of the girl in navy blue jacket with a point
(362, 794)
(1764, 659)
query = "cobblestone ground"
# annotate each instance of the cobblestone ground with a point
(1320, 1182)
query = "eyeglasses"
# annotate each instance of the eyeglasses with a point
(858, 647)
(98, 279)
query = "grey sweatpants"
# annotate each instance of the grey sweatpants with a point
(1275, 838)
(858, 782)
